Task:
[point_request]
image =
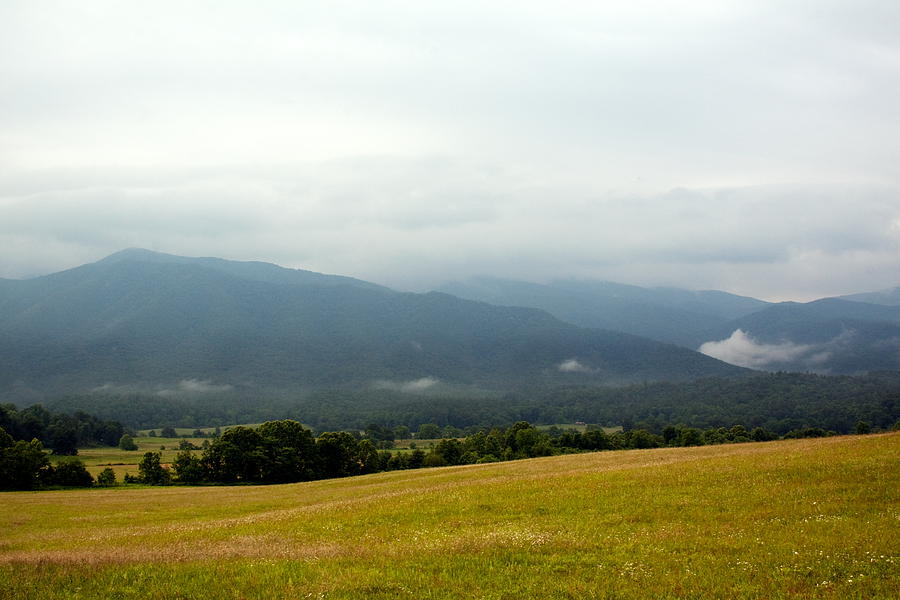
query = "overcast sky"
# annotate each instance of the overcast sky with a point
(747, 146)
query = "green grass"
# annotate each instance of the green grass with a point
(790, 519)
(125, 461)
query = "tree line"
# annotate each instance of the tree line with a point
(285, 451)
(61, 433)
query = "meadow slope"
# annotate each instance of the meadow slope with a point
(790, 519)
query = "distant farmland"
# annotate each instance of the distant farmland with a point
(815, 518)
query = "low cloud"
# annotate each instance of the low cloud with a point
(194, 386)
(572, 365)
(742, 350)
(116, 388)
(413, 386)
(184, 387)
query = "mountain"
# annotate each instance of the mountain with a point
(666, 314)
(889, 297)
(139, 320)
(828, 336)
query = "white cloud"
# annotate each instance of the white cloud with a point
(572, 365)
(183, 387)
(413, 386)
(742, 350)
(195, 386)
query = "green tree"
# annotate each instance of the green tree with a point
(450, 450)
(151, 471)
(71, 472)
(188, 468)
(862, 428)
(416, 458)
(106, 478)
(690, 436)
(428, 431)
(290, 451)
(237, 455)
(23, 465)
(126, 442)
(338, 451)
(62, 436)
(369, 461)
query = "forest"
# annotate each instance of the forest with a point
(779, 402)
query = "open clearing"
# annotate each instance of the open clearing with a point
(791, 519)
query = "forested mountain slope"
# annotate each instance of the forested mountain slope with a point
(666, 314)
(151, 320)
(826, 336)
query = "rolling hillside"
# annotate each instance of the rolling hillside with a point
(791, 519)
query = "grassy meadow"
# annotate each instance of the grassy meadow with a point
(813, 518)
(126, 461)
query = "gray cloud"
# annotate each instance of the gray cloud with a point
(414, 223)
(744, 146)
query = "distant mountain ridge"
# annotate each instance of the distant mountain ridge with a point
(251, 270)
(888, 297)
(666, 314)
(831, 335)
(152, 320)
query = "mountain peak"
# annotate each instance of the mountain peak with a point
(249, 270)
(137, 254)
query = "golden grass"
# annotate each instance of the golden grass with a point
(792, 519)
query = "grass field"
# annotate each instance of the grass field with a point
(791, 519)
(126, 461)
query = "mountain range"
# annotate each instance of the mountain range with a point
(149, 322)
(847, 335)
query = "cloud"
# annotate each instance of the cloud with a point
(742, 350)
(414, 145)
(195, 386)
(572, 365)
(417, 223)
(414, 386)
(181, 388)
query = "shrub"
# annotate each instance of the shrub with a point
(71, 473)
(106, 478)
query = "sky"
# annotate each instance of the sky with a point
(749, 146)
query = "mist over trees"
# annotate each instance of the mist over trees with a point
(779, 402)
